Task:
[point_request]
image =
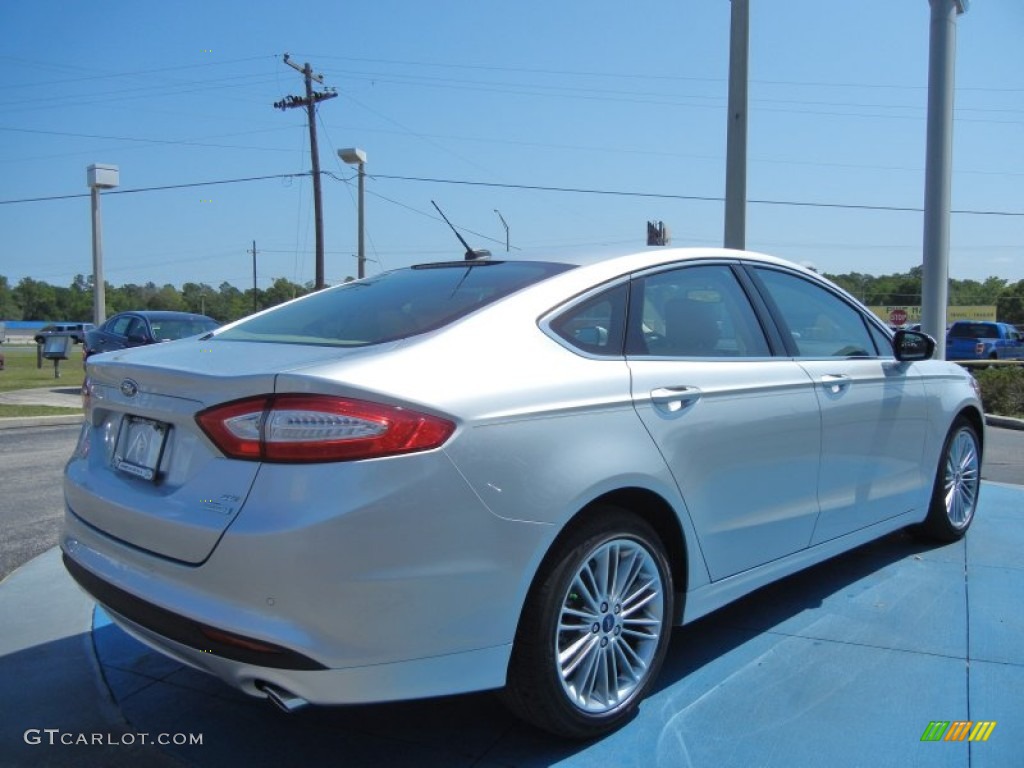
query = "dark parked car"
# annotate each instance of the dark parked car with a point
(76, 331)
(136, 329)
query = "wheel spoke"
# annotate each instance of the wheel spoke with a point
(575, 654)
(633, 660)
(638, 599)
(588, 678)
(585, 618)
(585, 591)
(611, 570)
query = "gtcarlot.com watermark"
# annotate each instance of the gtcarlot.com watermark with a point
(55, 736)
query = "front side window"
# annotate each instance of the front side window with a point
(819, 322)
(883, 342)
(136, 329)
(696, 311)
(119, 326)
(392, 305)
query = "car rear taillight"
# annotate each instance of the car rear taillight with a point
(313, 428)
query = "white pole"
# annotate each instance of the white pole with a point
(99, 288)
(938, 170)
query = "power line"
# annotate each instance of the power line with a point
(120, 73)
(185, 142)
(529, 187)
(159, 188)
(648, 76)
(699, 198)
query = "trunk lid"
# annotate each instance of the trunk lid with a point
(143, 472)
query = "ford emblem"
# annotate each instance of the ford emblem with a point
(129, 388)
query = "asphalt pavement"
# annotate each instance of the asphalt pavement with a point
(845, 664)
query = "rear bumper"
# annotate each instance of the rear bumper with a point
(251, 672)
(343, 589)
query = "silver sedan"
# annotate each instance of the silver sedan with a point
(504, 474)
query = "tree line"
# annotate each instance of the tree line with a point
(36, 300)
(904, 289)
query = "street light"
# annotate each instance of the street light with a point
(357, 157)
(505, 225)
(99, 177)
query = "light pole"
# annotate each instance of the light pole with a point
(99, 177)
(938, 169)
(357, 157)
(505, 225)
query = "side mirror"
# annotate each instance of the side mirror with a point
(592, 335)
(911, 346)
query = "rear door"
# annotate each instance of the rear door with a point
(738, 427)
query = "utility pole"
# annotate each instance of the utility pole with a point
(309, 102)
(255, 295)
(736, 137)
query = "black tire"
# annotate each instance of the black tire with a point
(584, 680)
(957, 482)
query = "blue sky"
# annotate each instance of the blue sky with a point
(585, 95)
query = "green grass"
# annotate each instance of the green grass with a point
(35, 410)
(20, 371)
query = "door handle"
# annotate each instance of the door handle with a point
(673, 399)
(836, 383)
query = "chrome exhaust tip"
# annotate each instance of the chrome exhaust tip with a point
(282, 699)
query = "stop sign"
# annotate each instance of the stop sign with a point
(898, 317)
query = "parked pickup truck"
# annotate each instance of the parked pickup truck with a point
(978, 340)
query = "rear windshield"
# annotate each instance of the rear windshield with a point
(393, 305)
(972, 331)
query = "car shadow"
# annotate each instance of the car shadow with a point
(696, 644)
(154, 692)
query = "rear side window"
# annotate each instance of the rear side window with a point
(393, 305)
(596, 325)
(694, 311)
(972, 331)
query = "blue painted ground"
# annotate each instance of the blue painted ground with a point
(843, 665)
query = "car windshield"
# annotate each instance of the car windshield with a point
(169, 330)
(393, 305)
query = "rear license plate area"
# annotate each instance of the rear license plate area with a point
(140, 447)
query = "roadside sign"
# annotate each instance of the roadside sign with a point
(898, 317)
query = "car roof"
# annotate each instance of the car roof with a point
(164, 314)
(608, 261)
(633, 257)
